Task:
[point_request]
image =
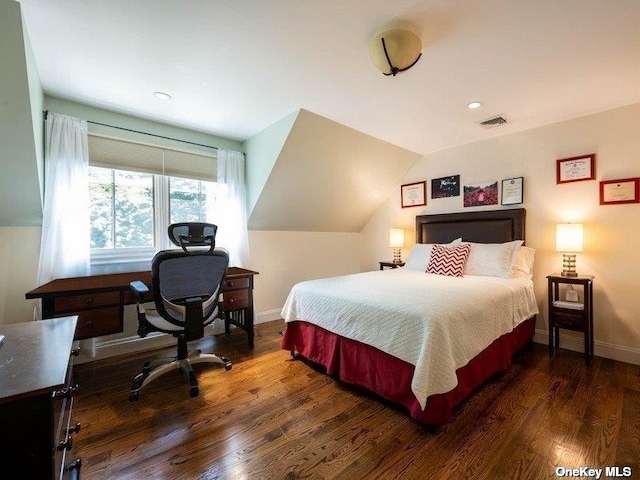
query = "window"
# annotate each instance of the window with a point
(121, 212)
(130, 212)
(137, 190)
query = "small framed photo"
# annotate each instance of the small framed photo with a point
(413, 194)
(445, 186)
(614, 192)
(480, 194)
(512, 191)
(576, 169)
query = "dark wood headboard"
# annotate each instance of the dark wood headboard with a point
(489, 226)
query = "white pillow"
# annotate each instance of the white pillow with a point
(419, 256)
(522, 265)
(491, 259)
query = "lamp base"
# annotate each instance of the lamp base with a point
(569, 265)
(396, 256)
(569, 274)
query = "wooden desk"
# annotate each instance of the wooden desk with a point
(36, 399)
(99, 300)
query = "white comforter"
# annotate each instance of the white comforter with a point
(434, 322)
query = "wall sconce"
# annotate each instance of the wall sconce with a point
(569, 240)
(396, 241)
(395, 51)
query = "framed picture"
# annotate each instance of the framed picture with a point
(576, 169)
(613, 192)
(413, 194)
(512, 191)
(445, 187)
(481, 194)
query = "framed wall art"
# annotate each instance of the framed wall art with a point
(614, 192)
(413, 194)
(445, 186)
(513, 191)
(576, 169)
(481, 194)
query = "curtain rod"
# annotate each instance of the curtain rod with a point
(46, 112)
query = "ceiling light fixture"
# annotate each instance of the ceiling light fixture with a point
(395, 51)
(162, 96)
(473, 105)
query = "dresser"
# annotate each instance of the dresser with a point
(99, 300)
(36, 400)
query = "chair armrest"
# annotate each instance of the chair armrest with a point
(139, 288)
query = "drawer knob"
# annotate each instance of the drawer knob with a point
(231, 300)
(75, 352)
(66, 392)
(88, 300)
(74, 429)
(229, 284)
(66, 444)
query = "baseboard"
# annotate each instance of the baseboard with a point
(600, 349)
(268, 316)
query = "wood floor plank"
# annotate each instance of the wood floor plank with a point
(275, 417)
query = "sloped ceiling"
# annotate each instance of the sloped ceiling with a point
(328, 177)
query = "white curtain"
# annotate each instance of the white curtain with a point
(64, 249)
(231, 207)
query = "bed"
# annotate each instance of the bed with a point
(419, 340)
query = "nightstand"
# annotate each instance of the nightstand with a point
(390, 265)
(576, 316)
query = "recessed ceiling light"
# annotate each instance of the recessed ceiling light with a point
(162, 96)
(473, 105)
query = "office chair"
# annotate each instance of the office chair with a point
(186, 286)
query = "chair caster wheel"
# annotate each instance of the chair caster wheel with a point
(133, 396)
(228, 366)
(193, 392)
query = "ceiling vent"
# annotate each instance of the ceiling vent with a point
(492, 122)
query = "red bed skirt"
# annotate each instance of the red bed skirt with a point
(364, 366)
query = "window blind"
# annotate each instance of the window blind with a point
(120, 154)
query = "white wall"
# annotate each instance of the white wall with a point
(611, 231)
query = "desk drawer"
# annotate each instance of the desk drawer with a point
(235, 300)
(81, 302)
(233, 283)
(95, 323)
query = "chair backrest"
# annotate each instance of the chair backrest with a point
(178, 275)
(193, 234)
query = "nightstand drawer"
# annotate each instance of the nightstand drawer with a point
(568, 318)
(234, 283)
(235, 299)
(81, 302)
(95, 323)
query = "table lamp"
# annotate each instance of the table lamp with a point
(569, 240)
(396, 241)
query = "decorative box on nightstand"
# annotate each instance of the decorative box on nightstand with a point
(577, 316)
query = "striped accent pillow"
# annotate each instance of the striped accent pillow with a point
(448, 261)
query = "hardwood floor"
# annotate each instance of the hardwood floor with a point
(273, 417)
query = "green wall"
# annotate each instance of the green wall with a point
(20, 123)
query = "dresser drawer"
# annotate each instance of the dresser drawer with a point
(233, 283)
(235, 299)
(81, 302)
(95, 323)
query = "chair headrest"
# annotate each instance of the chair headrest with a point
(193, 234)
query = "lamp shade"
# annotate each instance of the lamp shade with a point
(396, 238)
(569, 237)
(402, 51)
